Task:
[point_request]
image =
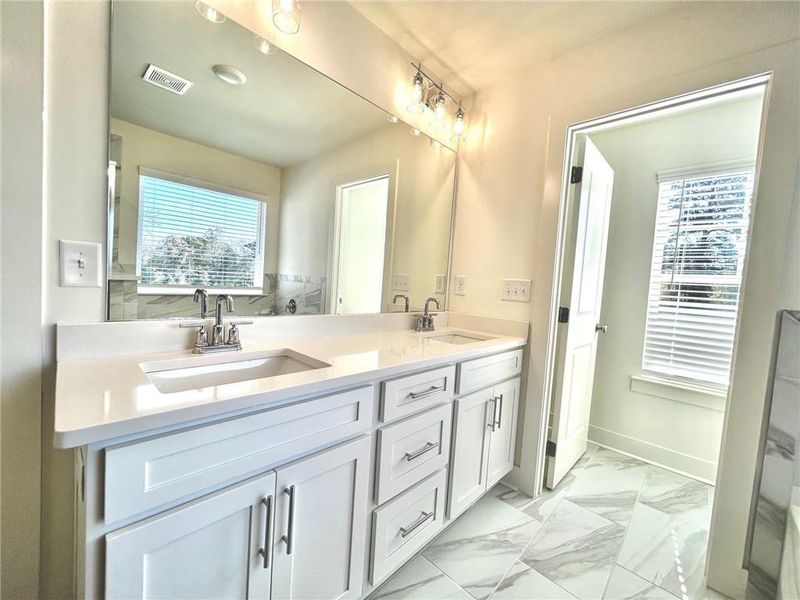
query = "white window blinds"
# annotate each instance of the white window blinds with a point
(696, 273)
(192, 235)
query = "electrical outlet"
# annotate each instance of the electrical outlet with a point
(440, 285)
(460, 288)
(516, 290)
(400, 282)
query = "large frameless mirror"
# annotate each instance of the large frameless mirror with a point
(236, 168)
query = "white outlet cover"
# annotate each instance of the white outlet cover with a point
(460, 287)
(516, 290)
(440, 283)
(80, 264)
(400, 282)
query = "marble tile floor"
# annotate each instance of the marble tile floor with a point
(615, 528)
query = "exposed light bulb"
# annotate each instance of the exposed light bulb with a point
(440, 109)
(209, 12)
(286, 15)
(416, 105)
(458, 124)
(264, 46)
(391, 118)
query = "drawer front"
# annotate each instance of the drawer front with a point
(404, 525)
(408, 395)
(482, 372)
(141, 476)
(411, 450)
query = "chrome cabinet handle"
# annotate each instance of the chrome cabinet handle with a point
(426, 448)
(288, 538)
(500, 416)
(601, 328)
(267, 502)
(493, 424)
(405, 531)
(431, 390)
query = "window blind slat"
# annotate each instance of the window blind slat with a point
(196, 236)
(695, 276)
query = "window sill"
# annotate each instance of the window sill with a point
(678, 391)
(144, 290)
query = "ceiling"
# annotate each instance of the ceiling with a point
(286, 112)
(473, 44)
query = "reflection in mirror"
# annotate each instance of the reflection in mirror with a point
(241, 170)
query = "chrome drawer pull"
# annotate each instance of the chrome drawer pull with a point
(267, 502)
(431, 390)
(426, 448)
(405, 531)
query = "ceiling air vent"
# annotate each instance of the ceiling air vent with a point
(166, 80)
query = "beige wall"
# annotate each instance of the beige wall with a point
(142, 147)
(668, 430)
(510, 185)
(20, 296)
(424, 194)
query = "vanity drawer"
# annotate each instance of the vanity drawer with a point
(482, 372)
(141, 476)
(411, 450)
(405, 396)
(401, 527)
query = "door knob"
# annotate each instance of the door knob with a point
(600, 328)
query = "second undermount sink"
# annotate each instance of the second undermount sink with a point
(457, 338)
(185, 374)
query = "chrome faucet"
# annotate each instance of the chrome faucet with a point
(405, 300)
(219, 341)
(425, 320)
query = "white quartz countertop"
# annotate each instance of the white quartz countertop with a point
(99, 399)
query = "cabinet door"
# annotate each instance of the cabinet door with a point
(320, 524)
(208, 548)
(503, 436)
(473, 418)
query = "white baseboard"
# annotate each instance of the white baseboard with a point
(672, 460)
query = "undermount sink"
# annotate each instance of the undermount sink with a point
(458, 338)
(185, 374)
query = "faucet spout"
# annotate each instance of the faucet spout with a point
(228, 302)
(201, 296)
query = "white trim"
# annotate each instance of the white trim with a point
(155, 290)
(679, 391)
(666, 458)
(194, 182)
(727, 167)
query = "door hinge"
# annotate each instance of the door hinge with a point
(563, 314)
(576, 176)
(551, 448)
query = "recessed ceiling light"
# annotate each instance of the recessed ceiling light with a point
(209, 12)
(391, 118)
(264, 46)
(230, 75)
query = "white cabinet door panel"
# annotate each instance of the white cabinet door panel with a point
(503, 435)
(320, 524)
(470, 453)
(208, 548)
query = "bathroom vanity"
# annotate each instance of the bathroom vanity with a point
(206, 476)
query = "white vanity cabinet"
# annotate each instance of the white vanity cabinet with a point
(484, 434)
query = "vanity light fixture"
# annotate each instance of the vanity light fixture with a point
(286, 15)
(458, 124)
(209, 12)
(230, 75)
(391, 118)
(417, 106)
(440, 109)
(429, 96)
(264, 46)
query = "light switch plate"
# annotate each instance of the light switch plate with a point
(460, 288)
(80, 264)
(440, 284)
(400, 282)
(516, 290)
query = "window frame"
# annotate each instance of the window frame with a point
(187, 290)
(707, 170)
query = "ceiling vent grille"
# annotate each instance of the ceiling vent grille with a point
(166, 80)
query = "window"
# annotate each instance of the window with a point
(696, 273)
(193, 234)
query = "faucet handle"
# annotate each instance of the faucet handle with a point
(232, 322)
(191, 324)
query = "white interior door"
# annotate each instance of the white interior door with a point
(361, 253)
(582, 290)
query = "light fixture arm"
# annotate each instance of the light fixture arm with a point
(439, 86)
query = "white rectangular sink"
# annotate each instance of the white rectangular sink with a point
(457, 338)
(193, 373)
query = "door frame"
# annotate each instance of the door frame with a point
(391, 170)
(593, 126)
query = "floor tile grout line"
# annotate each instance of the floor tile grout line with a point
(450, 579)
